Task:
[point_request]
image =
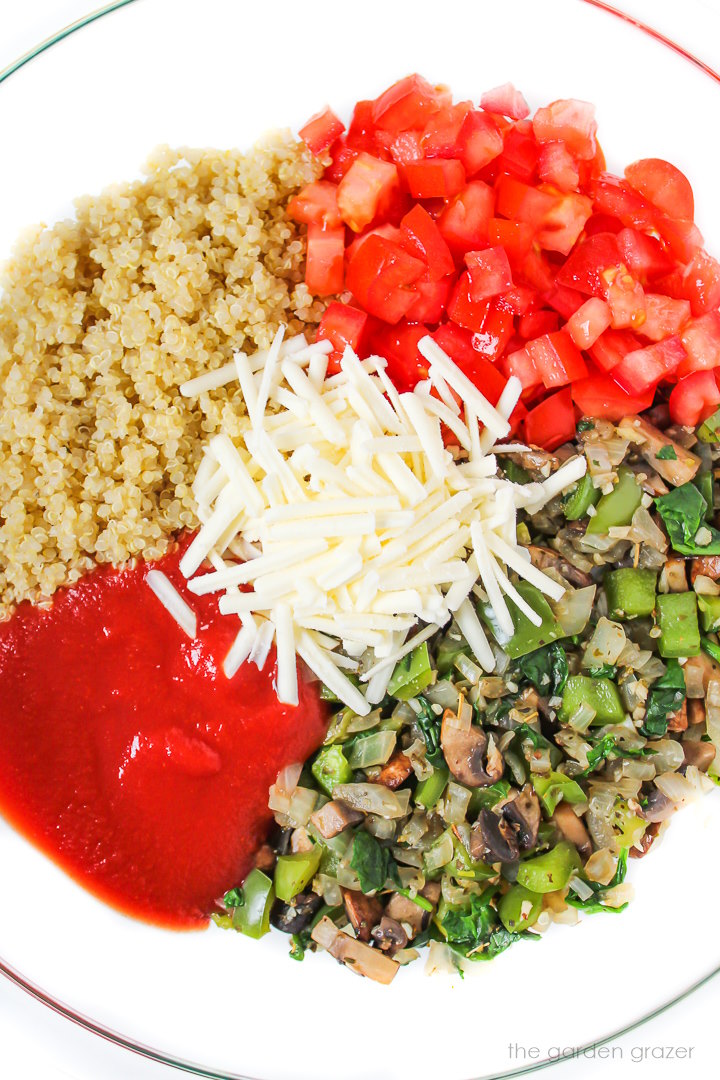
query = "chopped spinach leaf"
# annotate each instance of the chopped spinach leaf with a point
(683, 512)
(607, 749)
(666, 453)
(546, 669)
(429, 724)
(586, 425)
(372, 862)
(234, 898)
(607, 671)
(666, 697)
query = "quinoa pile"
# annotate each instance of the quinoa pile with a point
(101, 319)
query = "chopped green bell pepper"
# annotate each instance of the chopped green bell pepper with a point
(555, 787)
(294, 872)
(677, 618)
(600, 694)
(703, 481)
(550, 871)
(513, 911)
(411, 675)
(331, 767)
(709, 430)
(709, 612)
(252, 916)
(630, 592)
(429, 790)
(584, 495)
(526, 637)
(619, 505)
(484, 798)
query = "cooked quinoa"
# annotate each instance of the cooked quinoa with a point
(101, 319)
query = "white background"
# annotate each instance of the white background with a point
(36, 1043)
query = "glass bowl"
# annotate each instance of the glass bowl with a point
(84, 110)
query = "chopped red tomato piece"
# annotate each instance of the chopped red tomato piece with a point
(552, 422)
(437, 178)
(321, 131)
(342, 157)
(405, 147)
(612, 346)
(491, 339)
(521, 153)
(463, 309)
(325, 260)
(362, 190)
(557, 360)
(409, 103)
(564, 300)
(626, 299)
(520, 202)
(389, 232)
(378, 276)
(515, 236)
(564, 223)
(464, 221)
(571, 121)
(643, 255)
(342, 325)
(422, 238)
(489, 271)
(399, 345)
(663, 185)
(663, 316)
(701, 338)
(558, 167)
(518, 300)
(431, 299)
(643, 369)
(316, 204)
(694, 398)
(520, 364)
(599, 395)
(534, 324)
(442, 131)
(479, 142)
(505, 100)
(589, 321)
(701, 283)
(361, 134)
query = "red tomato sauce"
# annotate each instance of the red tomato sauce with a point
(128, 757)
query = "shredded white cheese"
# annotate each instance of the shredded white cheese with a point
(359, 529)
(173, 602)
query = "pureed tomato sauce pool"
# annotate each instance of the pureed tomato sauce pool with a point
(128, 757)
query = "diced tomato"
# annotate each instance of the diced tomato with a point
(342, 325)
(505, 100)
(664, 185)
(643, 369)
(437, 178)
(587, 324)
(536, 323)
(456, 342)
(465, 311)
(626, 299)
(701, 338)
(643, 255)
(316, 204)
(598, 223)
(489, 271)
(479, 142)
(342, 157)
(378, 276)
(389, 232)
(408, 103)
(701, 283)
(565, 300)
(694, 398)
(422, 238)
(612, 346)
(464, 221)
(663, 316)
(431, 299)
(564, 223)
(517, 300)
(321, 131)
(520, 364)
(613, 196)
(361, 133)
(599, 395)
(404, 146)
(538, 271)
(399, 345)
(442, 132)
(558, 167)
(586, 267)
(491, 339)
(557, 359)
(552, 422)
(325, 260)
(573, 122)
(515, 236)
(520, 202)
(520, 154)
(363, 188)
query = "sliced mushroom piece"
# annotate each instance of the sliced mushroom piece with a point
(523, 813)
(673, 576)
(432, 891)
(265, 859)
(465, 753)
(395, 772)
(650, 440)
(544, 558)
(357, 956)
(493, 839)
(390, 935)
(707, 566)
(699, 754)
(572, 828)
(537, 460)
(292, 918)
(640, 850)
(678, 721)
(696, 711)
(657, 807)
(364, 912)
(404, 910)
(335, 816)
